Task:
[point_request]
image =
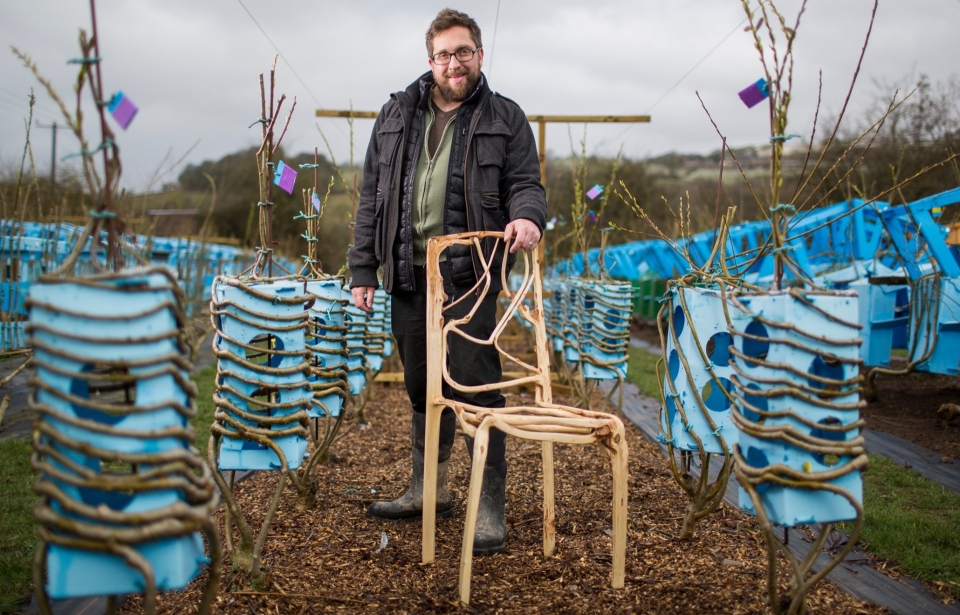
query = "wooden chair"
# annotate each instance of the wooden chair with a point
(544, 421)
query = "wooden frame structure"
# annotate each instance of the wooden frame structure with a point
(540, 120)
(544, 421)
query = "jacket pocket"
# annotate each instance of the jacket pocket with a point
(494, 218)
(389, 138)
(491, 139)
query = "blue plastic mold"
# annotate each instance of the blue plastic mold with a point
(946, 352)
(881, 314)
(706, 308)
(605, 313)
(133, 319)
(356, 322)
(247, 319)
(785, 505)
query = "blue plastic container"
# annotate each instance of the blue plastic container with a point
(606, 310)
(134, 320)
(251, 319)
(703, 396)
(789, 506)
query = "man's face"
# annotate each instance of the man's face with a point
(456, 80)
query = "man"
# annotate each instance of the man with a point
(447, 155)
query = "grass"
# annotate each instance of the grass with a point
(18, 539)
(642, 371)
(912, 521)
(205, 380)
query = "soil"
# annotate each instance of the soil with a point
(906, 407)
(330, 558)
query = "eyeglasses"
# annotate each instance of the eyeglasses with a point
(464, 54)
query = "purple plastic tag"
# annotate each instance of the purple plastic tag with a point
(316, 202)
(284, 177)
(593, 216)
(122, 109)
(594, 192)
(754, 93)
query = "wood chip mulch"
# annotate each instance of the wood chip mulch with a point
(329, 559)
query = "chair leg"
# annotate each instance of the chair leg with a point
(549, 508)
(481, 442)
(431, 452)
(618, 461)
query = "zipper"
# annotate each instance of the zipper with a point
(466, 200)
(430, 162)
(402, 143)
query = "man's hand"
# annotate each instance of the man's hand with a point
(525, 234)
(363, 297)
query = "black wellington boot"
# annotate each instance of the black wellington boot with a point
(491, 533)
(410, 504)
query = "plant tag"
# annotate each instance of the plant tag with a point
(754, 93)
(122, 109)
(285, 177)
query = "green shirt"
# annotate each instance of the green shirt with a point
(430, 188)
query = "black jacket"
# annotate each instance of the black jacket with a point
(494, 177)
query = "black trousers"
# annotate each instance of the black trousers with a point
(469, 363)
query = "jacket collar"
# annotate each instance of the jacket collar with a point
(417, 93)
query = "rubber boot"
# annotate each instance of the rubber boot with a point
(410, 504)
(491, 533)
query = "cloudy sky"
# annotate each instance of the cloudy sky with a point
(192, 65)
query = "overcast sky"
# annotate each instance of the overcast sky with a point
(191, 66)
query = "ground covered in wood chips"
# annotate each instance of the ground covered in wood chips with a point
(330, 558)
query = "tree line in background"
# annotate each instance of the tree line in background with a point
(918, 134)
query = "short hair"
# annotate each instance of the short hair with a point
(449, 18)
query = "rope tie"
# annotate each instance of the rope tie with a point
(663, 440)
(90, 60)
(783, 137)
(262, 120)
(107, 103)
(107, 143)
(265, 204)
(783, 207)
(102, 215)
(309, 166)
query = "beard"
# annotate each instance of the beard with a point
(461, 91)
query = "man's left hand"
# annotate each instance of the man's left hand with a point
(524, 233)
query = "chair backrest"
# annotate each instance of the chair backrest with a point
(438, 327)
